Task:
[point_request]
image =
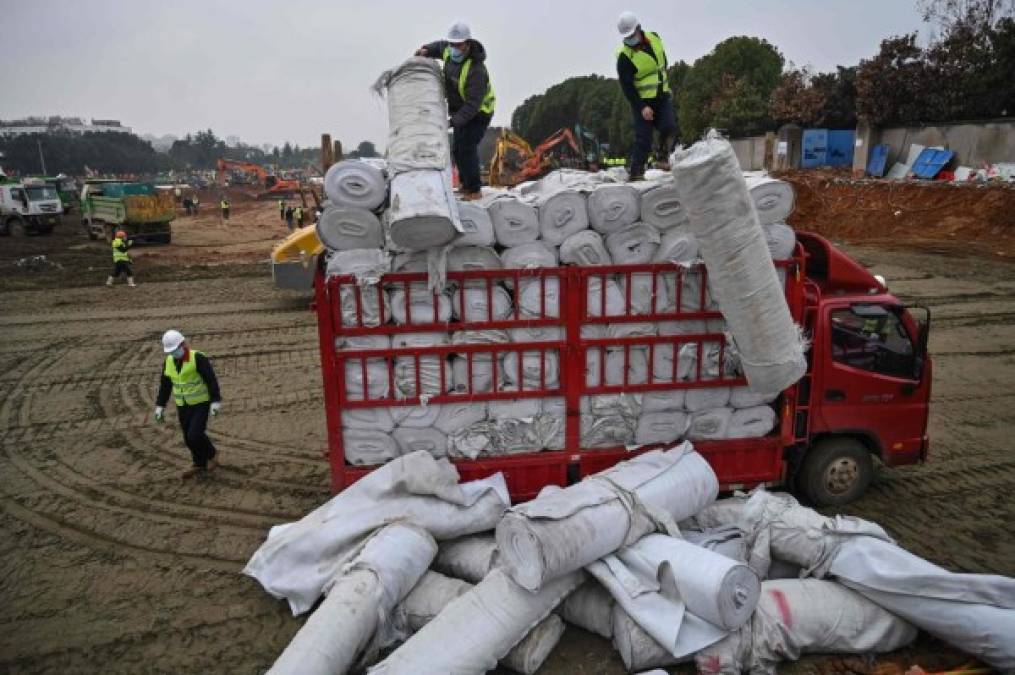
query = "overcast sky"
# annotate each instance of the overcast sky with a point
(276, 70)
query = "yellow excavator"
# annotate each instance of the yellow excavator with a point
(294, 259)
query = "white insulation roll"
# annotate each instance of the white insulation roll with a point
(366, 447)
(477, 228)
(564, 530)
(773, 198)
(638, 650)
(590, 607)
(586, 249)
(661, 208)
(633, 245)
(356, 184)
(417, 116)
(469, 258)
(362, 596)
(613, 206)
(470, 558)
(562, 214)
(478, 628)
(533, 254)
(514, 221)
(423, 213)
(741, 275)
(341, 228)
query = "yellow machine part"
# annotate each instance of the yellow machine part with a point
(302, 244)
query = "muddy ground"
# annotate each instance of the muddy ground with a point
(109, 562)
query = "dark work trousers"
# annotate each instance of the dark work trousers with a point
(225, 214)
(664, 121)
(122, 267)
(194, 422)
(465, 150)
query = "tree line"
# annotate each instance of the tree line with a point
(744, 86)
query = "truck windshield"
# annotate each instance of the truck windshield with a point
(38, 194)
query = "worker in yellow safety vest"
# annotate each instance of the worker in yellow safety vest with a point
(281, 209)
(470, 100)
(298, 214)
(224, 206)
(641, 69)
(121, 259)
(187, 374)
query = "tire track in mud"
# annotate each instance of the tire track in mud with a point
(50, 315)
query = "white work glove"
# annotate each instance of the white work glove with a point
(160, 414)
(216, 408)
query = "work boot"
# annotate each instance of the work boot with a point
(130, 282)
(109, 281)
(213, 464)
(663, 165)
(192, 472)
(471, 196)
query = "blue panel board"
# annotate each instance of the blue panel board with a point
(815, 148)
(931, 161)
(878, 158)
(840, 147)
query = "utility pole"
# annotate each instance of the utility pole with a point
(42, 160)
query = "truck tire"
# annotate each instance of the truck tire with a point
(835, 471)
(88, 230)
(17, 227)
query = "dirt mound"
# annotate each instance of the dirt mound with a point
(926, 215)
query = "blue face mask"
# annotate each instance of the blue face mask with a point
(457, 55)
(632, 41)
(177, 353)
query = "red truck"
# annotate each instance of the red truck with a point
(865, 393)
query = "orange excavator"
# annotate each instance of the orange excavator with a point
(514, 161)
(271, 184)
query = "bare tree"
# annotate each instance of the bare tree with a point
(977, 13)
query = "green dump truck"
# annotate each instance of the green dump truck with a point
(144, 213)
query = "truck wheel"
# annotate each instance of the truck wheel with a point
(17, 228)
(88, 230)
(835, 471)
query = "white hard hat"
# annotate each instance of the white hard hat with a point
(171, 340)
(459, 32)
(627, 24)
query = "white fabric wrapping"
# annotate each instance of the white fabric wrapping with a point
(725, 540)
(678, 247)
(416, 416)
(362, 596)
(374, 386)
(539, 297)
(590, 607)
(357, 342)
(607, 431)
(514, 221)
(299, 558)
(457, 415)
(367, 265)
(565, 530)
(809, 616)
(469, 258)
(342, 228)
(536, 333)
(482, 373)
(662, 401)
(518, 408)
(429, 440)
(422, 305)
(374, 419)
(536, 367)
(586, 249)
(751, 422)
(561, 214)
(613, 206)
(660, 427)
(470, 558)
(532, 254)
(430, 365)
(615, 299)
(773, 198)
(357, 184)
(638, 650)
(417, 116)
(433, 593)
(635, 244)
(742, 397)
(703, 399)
(477, 228)
(741, 273)
(710, 425)
(423, 211)
(369, 446)
(661, 208)
(642, 299)
(780, 239)
(477, 304)
(410, 261)
(495, 615)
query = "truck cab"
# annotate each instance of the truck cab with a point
(28, 207)
(869, 383)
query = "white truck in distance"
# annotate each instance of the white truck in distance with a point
(28, 208)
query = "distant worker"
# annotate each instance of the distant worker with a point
(187, 375)
(289, 217)
(470, 100)
(195, 202)
(121, 259)
(281, 209)
(299, 216)
(641, 69)
(224, 206)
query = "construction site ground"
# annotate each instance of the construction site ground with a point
(109, 562)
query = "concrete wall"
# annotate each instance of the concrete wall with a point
(750, 152)
(973, 144)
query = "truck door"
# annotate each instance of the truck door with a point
(875, 380)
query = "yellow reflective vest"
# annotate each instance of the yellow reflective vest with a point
(489, 99)
(188, 385)
(118, 255)
(649, 72)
